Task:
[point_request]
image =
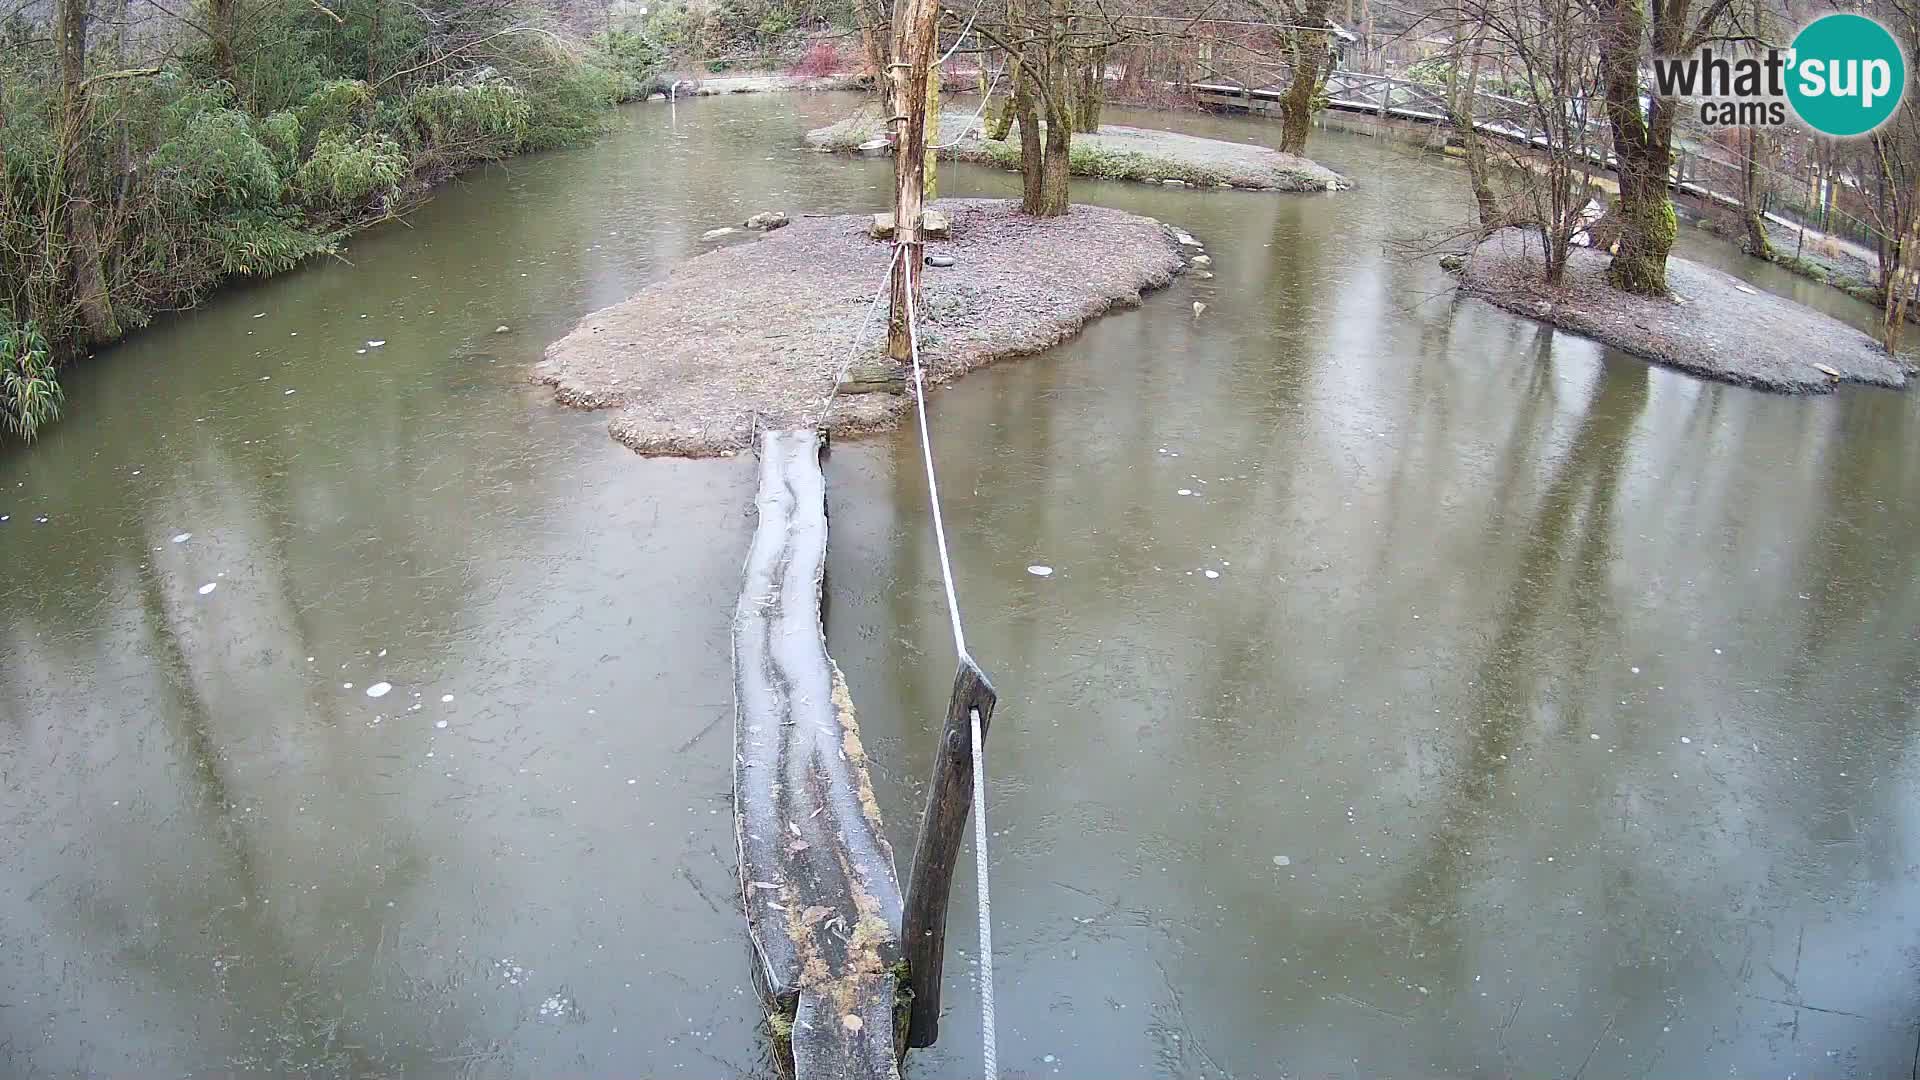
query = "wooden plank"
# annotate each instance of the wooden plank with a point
(942, 831)
(817, 878)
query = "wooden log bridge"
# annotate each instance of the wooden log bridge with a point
(816, 872)
(817, 879)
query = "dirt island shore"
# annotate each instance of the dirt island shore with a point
(1713, 325)
(758, 333)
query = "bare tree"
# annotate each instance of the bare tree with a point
(1541, 50)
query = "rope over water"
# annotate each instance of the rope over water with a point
(989, 1049)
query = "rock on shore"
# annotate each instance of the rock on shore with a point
(1713, 326)
(759, 332)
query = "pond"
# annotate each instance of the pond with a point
(1418, 691)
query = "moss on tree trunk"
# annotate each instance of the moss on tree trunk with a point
(1643, 153)
(1310, 60)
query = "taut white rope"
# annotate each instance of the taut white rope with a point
(989, 1046)
(853, 348)
(989, 1051)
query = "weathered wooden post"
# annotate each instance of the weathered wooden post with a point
(942, 830)
(915, 26)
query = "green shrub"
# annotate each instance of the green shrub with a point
(216, 163)
(265, 242)
(466, 123)
(339, 105)
(570, 104)
(347, 173)
(280, 134)
(633, 60)
(30, 396)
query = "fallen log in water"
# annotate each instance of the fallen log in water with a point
(817, 877)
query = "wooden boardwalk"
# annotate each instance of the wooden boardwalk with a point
(817, 875)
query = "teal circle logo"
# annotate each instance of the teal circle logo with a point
(1847, 75)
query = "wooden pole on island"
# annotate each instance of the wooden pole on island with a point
(915, 30)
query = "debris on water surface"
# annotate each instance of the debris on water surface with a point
(446, 699)
(379, 689)
(1184, 491)
(376, 343)
(1282, 860)
(284, 393)
(851, 1021)
(179, 538)
(261, 315)
(209, 587)
(1213, 573)
(443, 723)
(555, 1005)
(1040, 571)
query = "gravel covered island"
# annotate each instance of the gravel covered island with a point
(1115, 152)
(1714, 326)
(759, 331)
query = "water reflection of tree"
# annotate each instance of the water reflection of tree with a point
(1569, 538)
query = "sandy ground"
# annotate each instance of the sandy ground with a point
(757, 333)
(1115, 153)
(1709, 328)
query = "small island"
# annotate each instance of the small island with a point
(761, 333)
(1711, 324)
(1114, 152)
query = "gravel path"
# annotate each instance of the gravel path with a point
(761, 329)
(1716, 326)
(1115, 153)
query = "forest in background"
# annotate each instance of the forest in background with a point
(154, 149)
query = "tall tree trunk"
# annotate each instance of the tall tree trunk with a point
(220, 23)
(1090, 90)
(376, 40)
(1001, 114)
(1752, 200)
(1643, 153)
(1310, 49)
(930, 165)
(77, 229)
(1898, 290)
(1032, 154)
(1058, 101)
(1461, 102)
(1054, 175)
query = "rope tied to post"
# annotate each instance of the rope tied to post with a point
(972, 690)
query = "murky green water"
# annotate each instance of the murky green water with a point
(1550, 714)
